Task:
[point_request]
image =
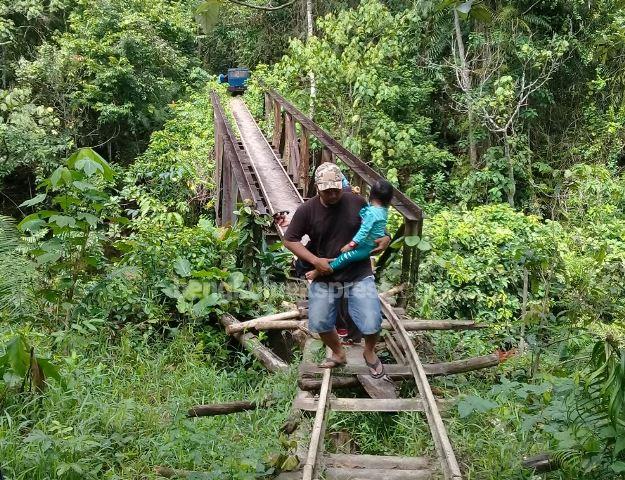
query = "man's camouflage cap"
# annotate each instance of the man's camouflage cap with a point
(327, 176)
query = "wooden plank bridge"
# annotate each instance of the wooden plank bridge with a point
(273, 173)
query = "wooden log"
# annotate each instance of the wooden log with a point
(404, 371)
(541, 463)
(394, 291)
(288, 321)
(175, 473)
(251, 343)
(225, 408)
(416, 325)
(270, 322)
(310, 384)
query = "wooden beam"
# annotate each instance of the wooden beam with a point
(251, 343)
(376, 461)
(316, 437)
(451, 469)
(376, 474)
(405, 371)
(304, 166)
(364, 404)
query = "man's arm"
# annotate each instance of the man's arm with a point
(301, 252)
(293, 236)
(382, 243)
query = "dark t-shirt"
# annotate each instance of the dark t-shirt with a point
(330, 228)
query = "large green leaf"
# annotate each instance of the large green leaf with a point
(182, 266)
(34, 201)
(63, 220)
(49, 370)
(471, 403)
(207, 14)
(18, 356)
(88, 160)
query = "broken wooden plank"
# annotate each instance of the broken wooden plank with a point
(364, 404)
(385, 462)
(375, 387)
(251, 343)
(451, 469)
(375, 474)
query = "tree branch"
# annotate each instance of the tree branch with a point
(263, 7)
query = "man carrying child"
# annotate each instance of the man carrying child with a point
(332, 220)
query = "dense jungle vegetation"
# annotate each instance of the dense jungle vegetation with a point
(504, 120)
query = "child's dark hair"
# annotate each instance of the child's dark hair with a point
(382, 191)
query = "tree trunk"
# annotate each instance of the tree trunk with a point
(465, 78)
(311, 74)
(511, 180)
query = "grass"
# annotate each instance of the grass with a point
(122, 412)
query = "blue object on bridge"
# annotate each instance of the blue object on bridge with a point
(236, 78)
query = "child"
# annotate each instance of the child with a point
(373, 226)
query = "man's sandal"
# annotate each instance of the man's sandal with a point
(374, 366)
(330, 362)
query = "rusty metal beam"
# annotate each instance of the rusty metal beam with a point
(410, 210)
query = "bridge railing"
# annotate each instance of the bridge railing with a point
(294, 146)
(233, 172)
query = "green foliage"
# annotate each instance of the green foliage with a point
(67, 243)
(29, 133)
(112, 74)
(173, 178)
(19, 366)
(17, 299)
(123, 412)
(369, 92)
(475, 266)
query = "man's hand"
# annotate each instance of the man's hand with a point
(346, 248)
(381, 243)
(322, 265)
(280, 219)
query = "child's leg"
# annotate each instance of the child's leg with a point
(359, 253)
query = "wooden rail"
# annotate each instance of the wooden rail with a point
(294, 146)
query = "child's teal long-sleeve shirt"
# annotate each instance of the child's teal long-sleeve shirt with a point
(373, 226)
